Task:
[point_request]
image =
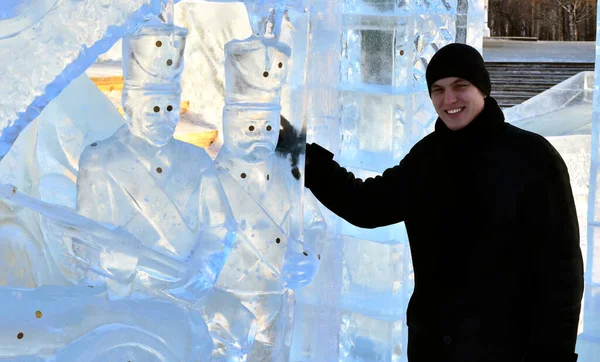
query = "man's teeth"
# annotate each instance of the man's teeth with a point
(453, 111)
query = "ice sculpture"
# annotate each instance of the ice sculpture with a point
(266, 16)
(573, 95)
(44, 44)
(81, 323)
(204, 61)
(268, 259)
(385, 47)
(153, 226)
(162, 191)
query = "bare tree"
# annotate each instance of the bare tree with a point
(509, 10)
(544, 19)
(576, 11)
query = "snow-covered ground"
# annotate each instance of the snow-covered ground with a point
(501, 50)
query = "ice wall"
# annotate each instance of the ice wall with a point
(44, 44)
(317, 319)
(575, 91)
(588, 343)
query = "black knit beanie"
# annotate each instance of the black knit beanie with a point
(459, 60)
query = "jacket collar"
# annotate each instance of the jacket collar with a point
(477, 133)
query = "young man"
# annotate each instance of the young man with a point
(491, 223)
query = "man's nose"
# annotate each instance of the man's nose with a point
(449, 97)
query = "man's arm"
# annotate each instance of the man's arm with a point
(374, 202)
(557, 265)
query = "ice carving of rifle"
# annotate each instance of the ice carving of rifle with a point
(118, 249)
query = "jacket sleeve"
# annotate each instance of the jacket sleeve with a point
(374, 202)
(556, 264)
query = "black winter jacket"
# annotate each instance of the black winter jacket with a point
(493, 235)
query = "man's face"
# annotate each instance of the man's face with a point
(457, 101)
(154, 116)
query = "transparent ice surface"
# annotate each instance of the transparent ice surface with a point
(45, 44)
(400, 6)
(575, 91)
(43, 163)
(364, 338)
(80, 323)
(588, 345)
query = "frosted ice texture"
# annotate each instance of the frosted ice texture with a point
(268, 259)
(205, 61)
(565, 109)
(43, 163)
(45, 44)
(575, 90)
(80, 323)
(400, 6)
(263, 12)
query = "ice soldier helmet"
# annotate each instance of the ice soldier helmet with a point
(152, 66)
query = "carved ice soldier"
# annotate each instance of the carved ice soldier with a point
(165, 192)
(161, 190)
(265, 262)
(152, 222)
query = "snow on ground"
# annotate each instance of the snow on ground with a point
(501, 50)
